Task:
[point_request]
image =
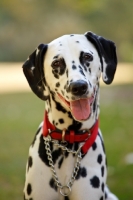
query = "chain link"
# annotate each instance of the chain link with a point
(64, 190)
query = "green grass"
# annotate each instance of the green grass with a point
(20, 115)
(117, 127)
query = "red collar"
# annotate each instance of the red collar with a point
(88, 136)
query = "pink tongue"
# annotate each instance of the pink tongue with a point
(80, 109)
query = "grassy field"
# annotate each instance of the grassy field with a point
(20, 115)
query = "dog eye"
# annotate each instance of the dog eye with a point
(88, 57)
(56, 63)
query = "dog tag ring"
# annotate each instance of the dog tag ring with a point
(65, 190)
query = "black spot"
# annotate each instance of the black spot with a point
(106, 196)
(30, 162)
(29, 189)
(81, 71)
(60, 162)
(78, 174)
(65, 86)
(87, 64)
(55, 75)
(56, 154)
(71, 35)
(58, 106)
(66, 198)
(90, 84)
(75, 147)
(85, 68)
(74, 67)
(71, 80)
(90, 70)
(82, 172)
(61, 121)
(35, 136)
(94, 105)
(102, 142)
(102, 171)
(56, 71)
(80, 67)
(70, 115)
(62, 92)
(55, 57)
(68, 89)
(67, 72)
(77, 41)
(99, 159)
(60, 44)
(73, 61)
(53, 184)
(102, 187)
(95, 182)
(81, 58)
(94, 146)
(67, 97)
(31, 199)
(66, 154)
(101, 198)
(75, 125)
(57, 84)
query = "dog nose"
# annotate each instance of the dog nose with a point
(78, 88)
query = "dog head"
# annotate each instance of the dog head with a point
(70, 68)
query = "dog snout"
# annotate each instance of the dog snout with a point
(78, 88)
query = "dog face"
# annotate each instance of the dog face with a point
(72, 70)
(69, 68)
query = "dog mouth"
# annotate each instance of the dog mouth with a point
(80, 109)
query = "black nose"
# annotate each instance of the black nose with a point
(78, 88)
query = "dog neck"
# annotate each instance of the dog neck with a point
(62, 118)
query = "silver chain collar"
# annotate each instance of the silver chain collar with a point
(66, 189)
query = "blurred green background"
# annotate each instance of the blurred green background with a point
(26, 23)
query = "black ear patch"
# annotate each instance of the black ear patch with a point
(107, 53)
(34, 71)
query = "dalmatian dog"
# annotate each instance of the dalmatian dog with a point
(67, 159)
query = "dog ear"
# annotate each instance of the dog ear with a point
(107, 53)
(33, 69)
